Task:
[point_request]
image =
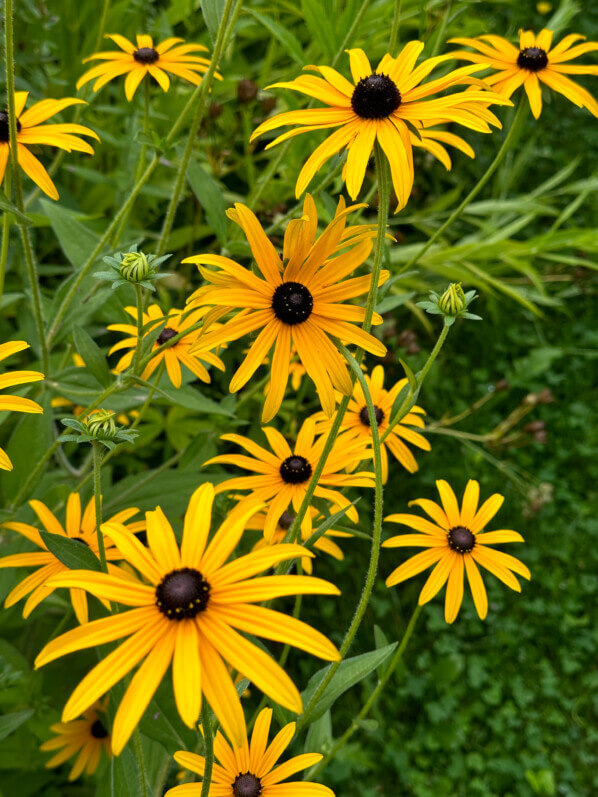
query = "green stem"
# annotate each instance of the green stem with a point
(202, 99)
(140, 762)
(18, 187)
(472, 194)
(394, 30)
(97, 495)
(398, 655)
(137, 355)
(6, 222)
(208, 748)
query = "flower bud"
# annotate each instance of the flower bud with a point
(246, 90)
(100, 424)
(452, 302)
(135, 267)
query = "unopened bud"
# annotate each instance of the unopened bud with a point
(534, 426)
(100, 424)
(268, 104)
(502, 384)
(246, 90)
(452, 301)
(135, 267)
(215, 110)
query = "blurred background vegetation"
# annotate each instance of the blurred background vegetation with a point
(504, 707)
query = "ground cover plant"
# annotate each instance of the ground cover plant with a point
(297, 468)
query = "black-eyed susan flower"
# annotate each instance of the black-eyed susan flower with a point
(86, 738)
(356, 422)
(180, 353)
(535, 61)
(379, 105)
(189, 614)
(30, 131)
(78, 526)
(283, 473)
(456, 544)
(10, 379)
(299, 301)
(249, 770)
(324, 544)
(136, 62)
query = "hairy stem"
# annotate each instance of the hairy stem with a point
(208, 749)
(97, 496)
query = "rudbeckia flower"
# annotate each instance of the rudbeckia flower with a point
(284, 473)
(145, 59)
(188, 615)
(456, 544)
(77, 527)
(174, 356)
(86, 737)
(10, 379)
(298, 300)
(356, 422)
(379, 105)
(533, 63)
(324, 544)
(249, 770)
(31, 131)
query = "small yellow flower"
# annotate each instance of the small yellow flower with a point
(10, 379)
(30, 131)
(533, 63)
(456, 544)
(86, 737)
(145, 59)
(249, 770)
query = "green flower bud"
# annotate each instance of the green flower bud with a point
(100, 424)
(453, 301)
(135, 267)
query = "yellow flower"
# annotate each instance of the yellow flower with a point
(455, 544)
(284, 473)
(379, 105)
(535, 62)
(137, 62)
(77, 527)
(10, 379)
(176, 321)
(30, 131)
(187, 616)
(87, 737)
(324, 543)
(249, 770)
(356, 422)
(299, 301)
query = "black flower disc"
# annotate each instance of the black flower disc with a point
(292, 303)
(146, 55)
(182, 594)
(295, 470)
(461, 539)
(375, 97)
(532, 58)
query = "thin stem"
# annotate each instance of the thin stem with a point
(137, 355)
(472, 194)
(398, 655)
(208, 749)
(140, 762)
(6, 221)
(394, 30)
(18, 188)
(202, 99)
(97, 495)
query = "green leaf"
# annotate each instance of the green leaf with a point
(92, 355)
(7, 206)
(72, 553)
(209, 195)
(10, 722)
(288, 40)
(29, 441)
(350, 672)
(193, 400)
(410, 375)
(319, 23)
(124, 775)
(319, 735)
(213, 11)
(328, 524)
(75, 239)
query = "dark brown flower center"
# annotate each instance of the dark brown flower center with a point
(166, 334)
(98, 731)
(146, 55)
(375, 97)
(295, 470)
(365, 418)
(182, 594)
(5, 127)
(292, 303)
(81, 540)
(285, 521)
(247, 785)
(532, 58)
(461, 539)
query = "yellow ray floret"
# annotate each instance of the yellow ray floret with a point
(86, 738)
(190, 612)
(10, 379)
